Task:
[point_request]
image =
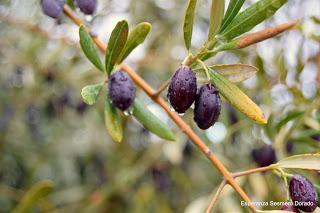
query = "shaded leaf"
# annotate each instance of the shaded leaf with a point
(216, 16)
(116, 44)
(136, 37)
(188, 22)
(251, 17)
(235, 72)
(89, 48)
(90, 93)
(237, 98)
(305, 161)
(151, 122)
(32, 197)
(233, 9)
(290, 116)
(112, 121)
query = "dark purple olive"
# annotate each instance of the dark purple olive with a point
(264, 156)
(182, 89)
(303, 193)
(289, 207)
(87, 6)
(207, 106)
(121, 90)
(52, 8)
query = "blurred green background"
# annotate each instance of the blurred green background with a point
(47, 132)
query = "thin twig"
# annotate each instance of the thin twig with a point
(216, 196)
(251, 171)
(140, 82)
(262, 35)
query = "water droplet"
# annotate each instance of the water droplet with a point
(181, 114)
(128, 112)
(88, 18)
(192, 106)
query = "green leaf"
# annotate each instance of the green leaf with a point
(32, 197)
(112, 121)
(71, 4)
(89, 48)
(305, 161)
(216, 16)
(188, 23)
(234, 72)
(151, 122)
(90, 93)
(233, 9)
(290, 116)
(237, 98)
(136, 37)
(251, 17)
(116, 44)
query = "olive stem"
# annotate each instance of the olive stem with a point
(216, 196)
(204, 67)
(140, 82)
(283, 175)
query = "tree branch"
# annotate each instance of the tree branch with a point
(140, 82)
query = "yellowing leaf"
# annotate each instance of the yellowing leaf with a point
(32, 197)
(237, 98)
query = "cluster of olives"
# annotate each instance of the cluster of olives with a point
(54, 8)
(183, 92)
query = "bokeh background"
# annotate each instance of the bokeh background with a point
(47, 132)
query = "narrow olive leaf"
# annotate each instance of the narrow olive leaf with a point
(151, 122)
(233, 9)
(235, 72)
(116, 44)
(90, 93)
(112, 121)
(32, 197)
(71, 4)
(251, 17)
(188, 23)
(305, 161)
(89, 48)
(256, 37)
(216, 16)
(237, 98)
(289, 117)
(136, 37)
